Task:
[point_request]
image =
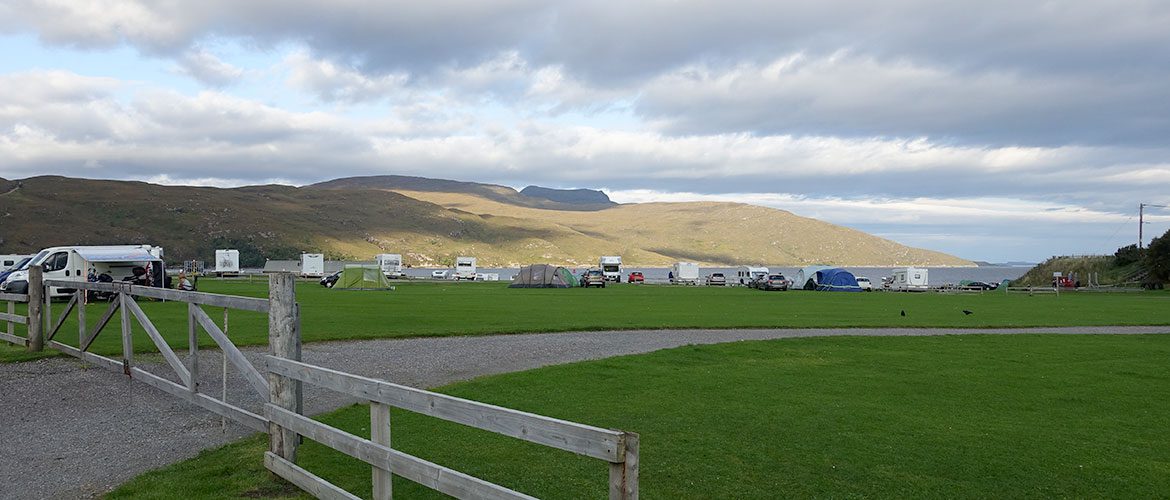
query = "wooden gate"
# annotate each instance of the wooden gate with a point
(278, 383)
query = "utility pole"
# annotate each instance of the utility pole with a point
(1141, 220)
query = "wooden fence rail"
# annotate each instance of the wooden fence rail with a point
(278, 383)
(12, 319)
(618, 448)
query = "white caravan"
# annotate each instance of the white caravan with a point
(611, 267)
(109, 263)
(9, 260)
(910, 279)
(227, 262)
(312, 265)
(747, 274)
(465, 268)
(685, 273)
(390, 264)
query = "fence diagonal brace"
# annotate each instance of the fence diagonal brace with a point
(61, 319)
(161, 343)
(92, 334)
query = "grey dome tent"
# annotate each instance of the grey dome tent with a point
(543, 276)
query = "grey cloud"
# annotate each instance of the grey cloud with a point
(208, 69)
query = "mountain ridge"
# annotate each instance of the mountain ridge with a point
(348, 219)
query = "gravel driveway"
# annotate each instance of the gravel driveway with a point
(68, 430)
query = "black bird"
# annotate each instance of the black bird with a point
(968, 313)
(903, 312)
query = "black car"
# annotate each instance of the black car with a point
(981, 285)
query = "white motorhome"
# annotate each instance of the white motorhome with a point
(9, 260)
(465, 268)
(134, 263)
(312, 265)
(611, 267)
(227, 262)
(910, 279)
(684, 273)
(747, 274)
(390, 264)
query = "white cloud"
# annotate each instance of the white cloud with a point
(208, 69)
(332, 81)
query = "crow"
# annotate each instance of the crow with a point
(903, 312)
(968, 313)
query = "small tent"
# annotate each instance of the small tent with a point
(543, 276)
(361, 277)
(836, 280)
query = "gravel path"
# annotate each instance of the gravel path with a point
(68, 430)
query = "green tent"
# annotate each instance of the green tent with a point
(358, 277)
(543, 276)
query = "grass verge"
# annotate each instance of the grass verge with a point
(441, 309)
(982, 416)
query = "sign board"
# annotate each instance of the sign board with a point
(1056, 274)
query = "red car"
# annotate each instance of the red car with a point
(636, 277)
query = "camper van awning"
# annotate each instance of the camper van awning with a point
(126, 255)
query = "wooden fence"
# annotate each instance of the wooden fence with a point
(278, 382)
(13, 319)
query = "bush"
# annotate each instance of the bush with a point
(1157, 258)
(1127, 255)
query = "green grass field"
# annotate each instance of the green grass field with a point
(417, 309)
(984, 416)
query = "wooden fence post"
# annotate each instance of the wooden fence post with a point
(380, 433)
(127, 333)
(36, 292)
(623, 476)
(283, 343)
(192, 348)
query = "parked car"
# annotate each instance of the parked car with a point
(716, 279)
(439, 275)
(774, 282)
(635, 277)
(594, 277)
(980, 285)
(330, 280)
(864, 284)
(13, 268)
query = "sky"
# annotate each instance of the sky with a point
(992, 130)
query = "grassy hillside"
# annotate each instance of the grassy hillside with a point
(1080, 268)
(706, 232)
(347, 219)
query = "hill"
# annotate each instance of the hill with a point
(430, 225)
(574, 196)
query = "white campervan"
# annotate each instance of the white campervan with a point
(9, 260)
(390, 264)
(312, 265)
(465, 268)
(910, 279)
(611, 267)
(227, 262)
(684, 273)
(747, 274)
(108, 263)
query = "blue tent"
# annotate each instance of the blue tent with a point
(836, 280)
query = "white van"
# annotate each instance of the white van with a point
(108, 263)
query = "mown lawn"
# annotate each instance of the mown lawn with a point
(417, 309)
(985, 416)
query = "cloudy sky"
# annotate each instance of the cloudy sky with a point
(992, 130)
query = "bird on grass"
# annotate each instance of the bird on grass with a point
(903, 312)
(966, 312)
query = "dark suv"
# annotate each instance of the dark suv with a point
(774, 282)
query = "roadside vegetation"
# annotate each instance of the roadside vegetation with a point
(427, 309)
(983, 416)
(1147, 267)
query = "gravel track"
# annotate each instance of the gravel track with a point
(69, 430)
